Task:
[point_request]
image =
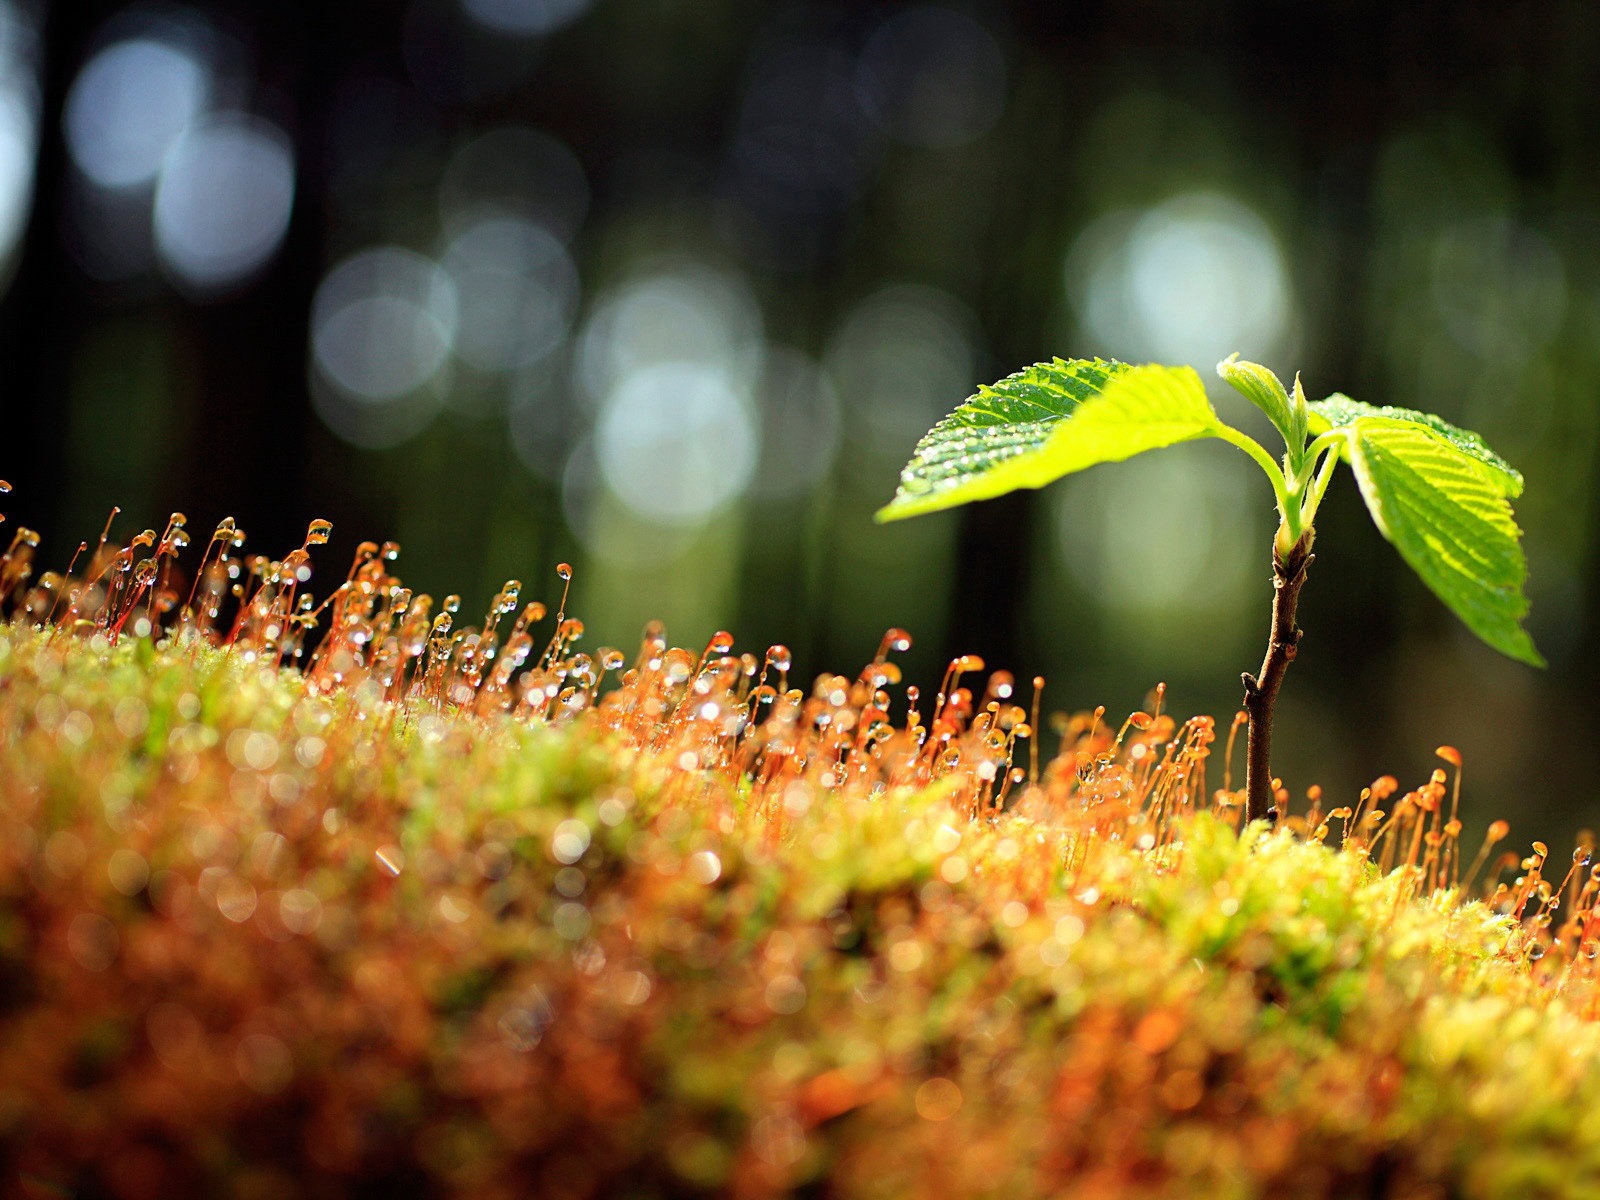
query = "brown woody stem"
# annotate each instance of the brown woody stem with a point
(1261, 690)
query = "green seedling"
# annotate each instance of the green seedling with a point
(1438, 493)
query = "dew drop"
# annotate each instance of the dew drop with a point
(897, 640)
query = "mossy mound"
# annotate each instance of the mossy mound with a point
(260, 937)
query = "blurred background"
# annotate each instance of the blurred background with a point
(670, 288)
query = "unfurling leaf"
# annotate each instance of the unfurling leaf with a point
(1446, 508)
(1263, 389)
(1048, 421)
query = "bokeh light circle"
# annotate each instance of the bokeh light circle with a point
(129, 104)
(383, 323)
(19, 127)
(1189, 280)
(518, 290)
(683, 313)
(524, 18)
(223, 200)
(676, 442)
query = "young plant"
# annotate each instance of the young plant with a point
(1438, 493)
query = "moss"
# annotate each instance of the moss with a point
(257, 929)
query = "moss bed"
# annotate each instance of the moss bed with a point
(329, 932)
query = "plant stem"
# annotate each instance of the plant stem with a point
(1261, 690)
(1257, 451)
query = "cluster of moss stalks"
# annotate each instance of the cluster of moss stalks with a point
(268, 932)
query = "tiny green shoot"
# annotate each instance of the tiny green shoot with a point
(1436, 492)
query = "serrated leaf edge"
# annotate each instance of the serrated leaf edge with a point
(1524, 650)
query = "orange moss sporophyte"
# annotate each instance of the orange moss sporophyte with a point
(340, 895)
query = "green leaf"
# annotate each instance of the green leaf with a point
(1339, 411)
(1048, 421)
(1263, 389)
(1447, 512)
(1144, 408)
(1010, 420)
